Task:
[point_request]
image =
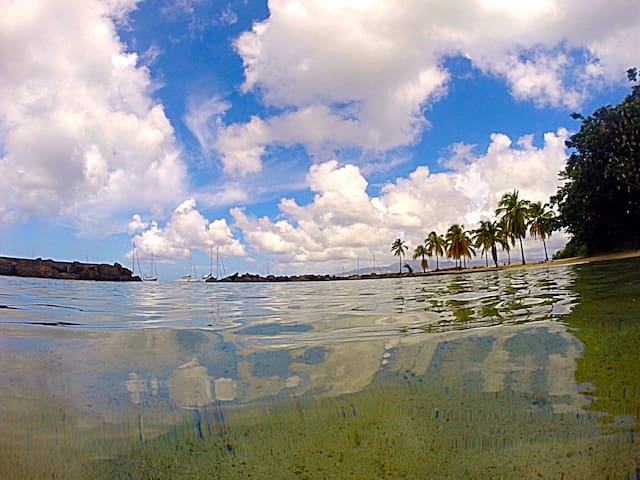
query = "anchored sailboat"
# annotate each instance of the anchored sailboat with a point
(146, 277)
(209, 276)
(153, 275)
(189, 277)
(219, 263)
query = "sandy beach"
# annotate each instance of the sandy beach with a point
(518, 265)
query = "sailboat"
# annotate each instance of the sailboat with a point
(209, 276)
(153, 275)
(189, 277)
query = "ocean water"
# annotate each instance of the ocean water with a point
(529, 373)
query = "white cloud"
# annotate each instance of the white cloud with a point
(81, 136)
(226, 17)
(359, 74)
(203, 117)
(343, 221)
(185, 229)
(136, 224)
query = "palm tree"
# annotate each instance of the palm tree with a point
(421, 251)
(435, 244)
(540, 223)
(399, 248)
(505, 240)
(467, 247)
(515, 213)
(459, 243)
(487, 237)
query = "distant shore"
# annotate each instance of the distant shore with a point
(39, 268)
(250, 277)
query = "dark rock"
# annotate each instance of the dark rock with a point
(7, 268)
(22, 267)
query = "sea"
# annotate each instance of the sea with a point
(518, 373)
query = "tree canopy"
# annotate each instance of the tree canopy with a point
(515, 215)
(599, 203)
(399, 248)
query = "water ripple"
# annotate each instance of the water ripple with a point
(328, 310)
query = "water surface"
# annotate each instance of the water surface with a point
(478, 375)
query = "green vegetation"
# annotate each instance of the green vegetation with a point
(421, 251)
(599, 204)
(435, 245)
(487, 236)
(516, 215)
(459, 245)
(399, 248)
(540, 223)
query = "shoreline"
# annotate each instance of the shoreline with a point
(39, 268)
(255, 278)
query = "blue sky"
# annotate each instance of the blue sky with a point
(291, 136)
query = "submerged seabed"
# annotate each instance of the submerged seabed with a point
(521, 374)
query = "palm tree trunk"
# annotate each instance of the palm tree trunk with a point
(486, 258)
(546, 257)
(522, 252)
(494, 254)
(437, 265)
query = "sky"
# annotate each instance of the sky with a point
(289, 136)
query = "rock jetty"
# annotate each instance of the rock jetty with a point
(23, 267)
(251, 277)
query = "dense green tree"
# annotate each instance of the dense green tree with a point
(599, 202)
(421, 251)
(486, 236)
(541, 223)
(459, 244)
(399, 248)
(435, 244)
(514, 214)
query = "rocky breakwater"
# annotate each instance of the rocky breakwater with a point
(22, 267)
(251, 277)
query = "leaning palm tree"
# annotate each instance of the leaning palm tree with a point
(540, 223)
(421, 251)
(399, 248)
(435, 244)
(514, 214)
(505, 240)
(467, 246)
(487, 237)
(459, 245)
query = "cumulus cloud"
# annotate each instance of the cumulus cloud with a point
(136, 224)
(343, 221)
(81, 136)
(185, 229)
(361, 74)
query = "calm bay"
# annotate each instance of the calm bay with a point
(522, 373)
